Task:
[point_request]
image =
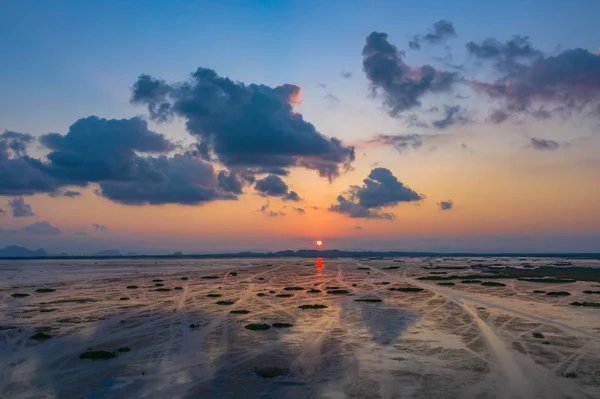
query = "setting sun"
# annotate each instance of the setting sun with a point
(319, 243)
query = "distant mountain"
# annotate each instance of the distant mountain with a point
(131, 254)
(14, 251)
(108, 252)
(178, 253)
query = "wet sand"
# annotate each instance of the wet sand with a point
(459, 341)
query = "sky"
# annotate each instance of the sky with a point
(155, 127)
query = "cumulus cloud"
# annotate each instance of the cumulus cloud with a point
(400, 141)
(42, 228)
(453, 114)
(380, 189)
(265, 209)
(509, 57)
(400, 86)
(440, 31)
(244, 125)
(445, 205)
(99, 227)
(300, 211)
(544, 145)
(20, 208)
(292, 196)
(272, 185)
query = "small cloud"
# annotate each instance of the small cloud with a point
(346, 74)
(42, 228)
(328, 95)
(445, 205)
(300, 211)
(291, 196)
(453, 114)
(440, 31)
(71, 194)
(20, 208)
(99, 227)
(272, 185)
(265, 209)
(544, 145)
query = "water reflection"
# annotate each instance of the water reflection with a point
(386, 324)
(319, 267)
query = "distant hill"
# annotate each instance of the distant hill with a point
(132, 254)
(14, 251)
(108, 252)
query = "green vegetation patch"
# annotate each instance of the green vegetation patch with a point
(225, 303)
(447, 283)
(79, 300)
(406, 289)
(391, 268)
(44, 290)
(157, 280)
(471, 282)
(363, 268)
(261, 278)
(159, 285)
(240, 311)
(282, 325)
(549, 280)
(132, 287)
(284, 295)
(261, 294)
(434, 278)
(97, 355)
(185, 278)
(493, 284)
(587, 304)
(314, 291)
(48, 310)
(19, 295)
(162, 289)
(315, 306)
(293, 288)
(537, 335)
(338, 292)
(124, 349)
(332, 288)
(209, 277)
(40, 336)
(178, 288)
(124, 298)
(214, 295)
(368, 300)
(257, 326)
(591, 292)
(271, 372)
(558, 293)
(539, 291)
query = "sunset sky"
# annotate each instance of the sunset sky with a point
(157, 127)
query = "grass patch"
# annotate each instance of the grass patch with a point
(316, 306)
(214, 295)
(406, 289)
(257, 327)
(363, 268)
(44, 290)
(282, 325)
(293, 288)
(558, 293)
(124, 298)
(162, 289)
(447, 267)
(391, 268)
(209, 277)
(261, 294)
(587, 304)
(383, 283)
(159, 285)
(233, 274)
(434, 278)
(40, 336)
(332, 288)
(591, 292)
(573, 272)
(447, 283)
(493, 284)
(97, 355)
(225, 303)
(240, 311)
(368, 300)
(132, 287)
(438, 272)
(124, 349)
(314, 291)
(338, 292)
(157, 280)
(539, 291)
(284, 295)
(185, 278)
(48, 310)
(261, 278)
(19, 295)
(271, 372)
(537, 335)
(550, 280)
(471, 282)
(81, 300)
(178, 288)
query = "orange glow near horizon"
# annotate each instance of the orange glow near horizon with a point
(319, 243)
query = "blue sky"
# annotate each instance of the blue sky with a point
(66, 60)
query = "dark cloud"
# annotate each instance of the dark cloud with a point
(20, 208)
(509, 57)
(445, 205)
(271, 171)
(71, 194)
(99, 227)
(300, 211)
(453, 114)
(380, 189)
(272, 185)
(544, 145)
(244, 125)
(561, 85)
(265, 209)
(401, 142)
(440, 31)
(400, 86)
(41, 228)
(412, 120)
(230, 182)
(292, 196)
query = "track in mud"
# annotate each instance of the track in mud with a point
(459, 341)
